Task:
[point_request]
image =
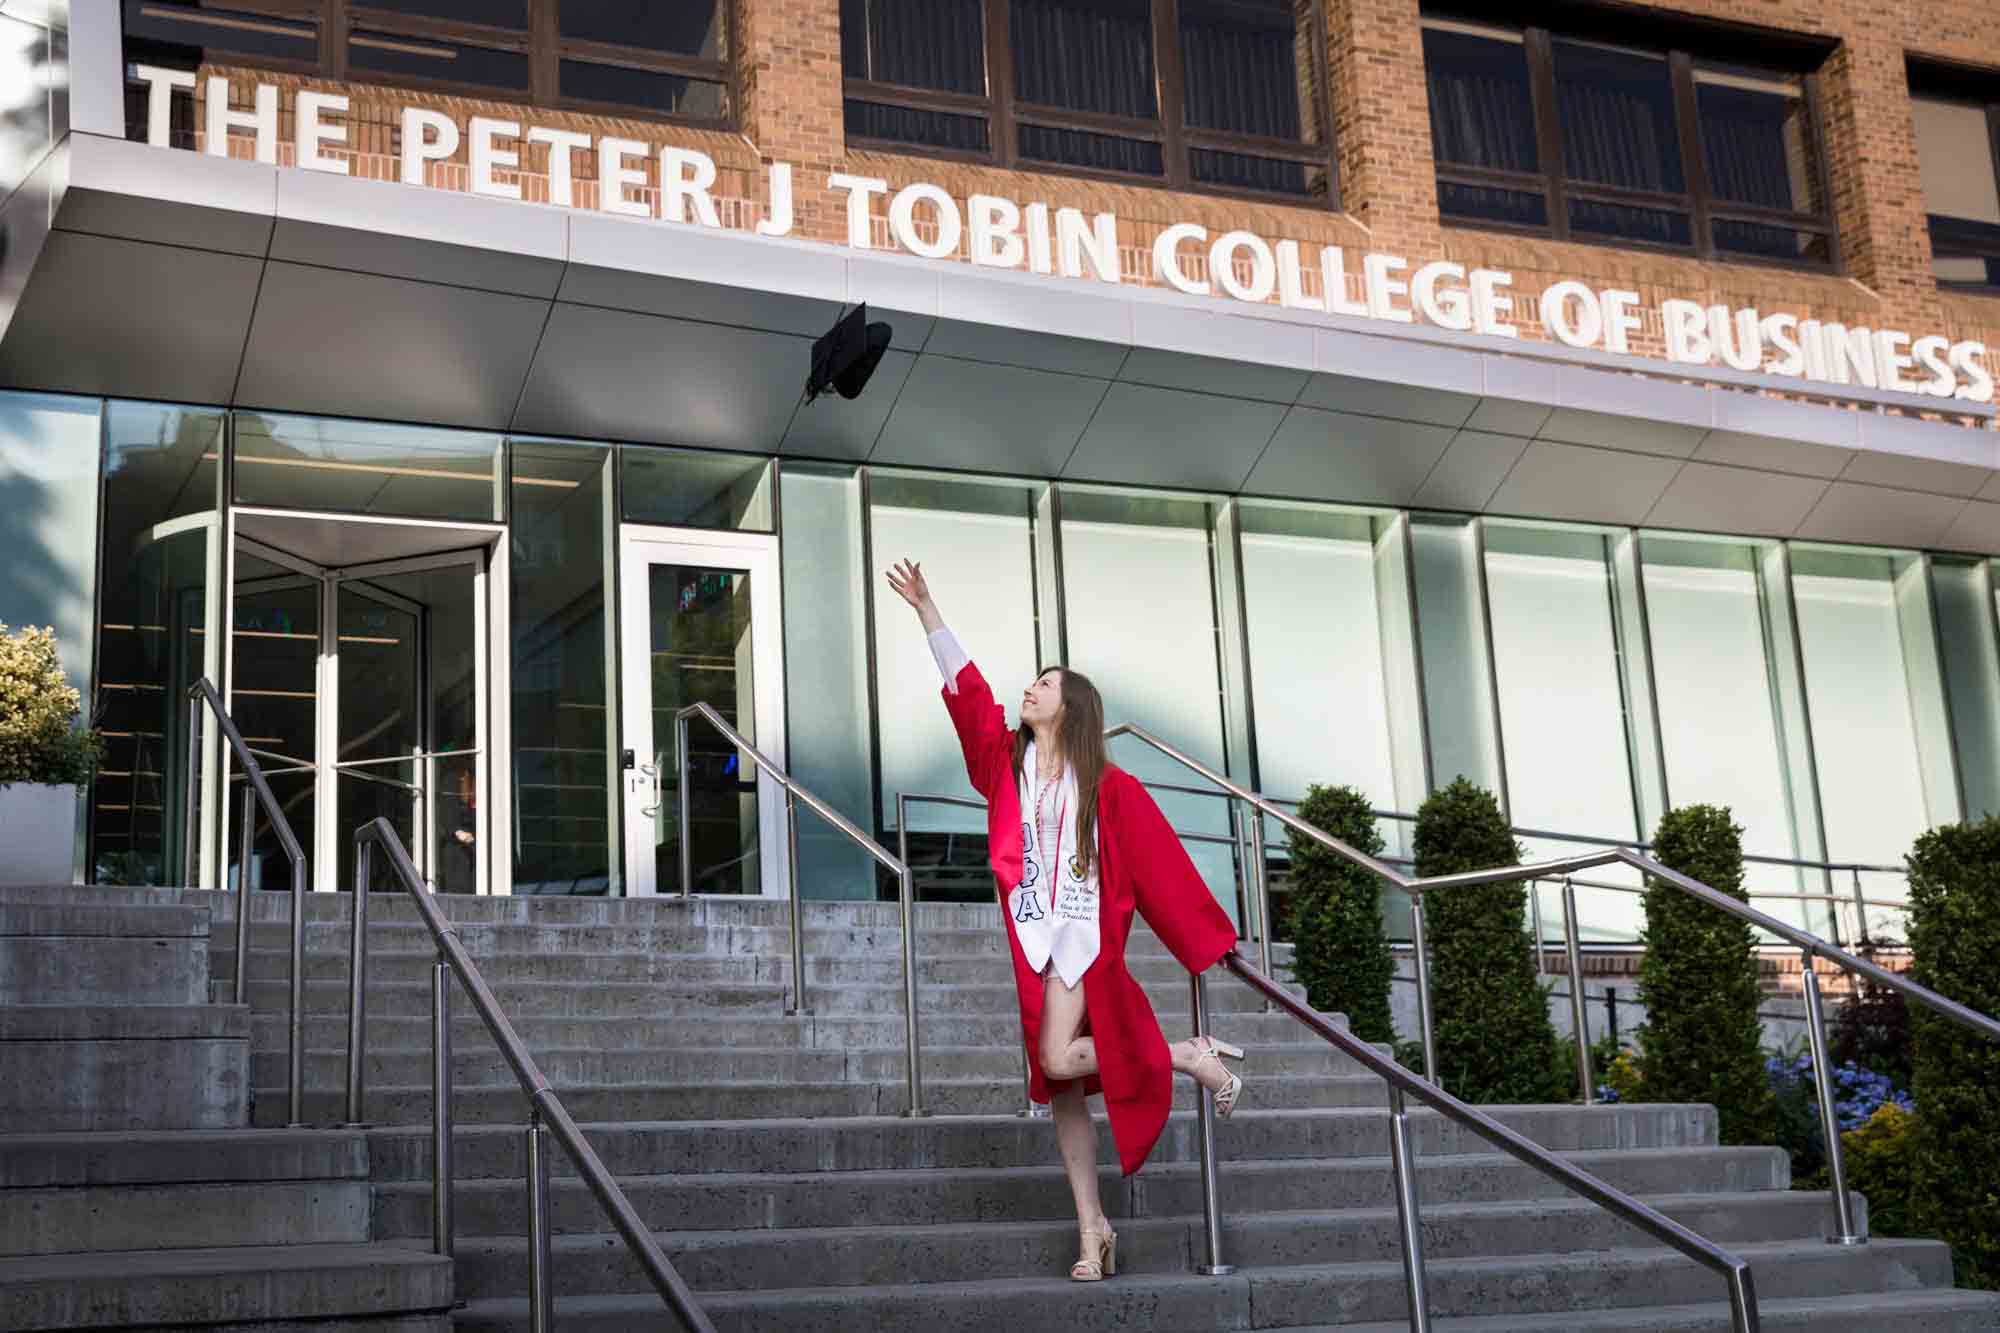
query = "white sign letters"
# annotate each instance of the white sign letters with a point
(997, 232)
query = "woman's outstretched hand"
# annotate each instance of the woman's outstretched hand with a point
(908, 581)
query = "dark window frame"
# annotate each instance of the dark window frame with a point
(1003, 113)
(1683, 51)
(545, 49)
(1948, 82)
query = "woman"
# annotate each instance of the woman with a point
(1077, 845)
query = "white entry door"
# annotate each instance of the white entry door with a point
(699, 624)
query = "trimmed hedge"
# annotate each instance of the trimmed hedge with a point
(1334, 915)
(1491, 1017)
(1955, 942)
(1702, 1041)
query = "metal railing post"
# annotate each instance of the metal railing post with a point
(1861, 912)
(1744, 1316)
(1829, 1119)
(1211, 1208)
(246, 839)
(1535, 920)
(1420, 949)
(296, 1060)
(681, 803)
(1260, 885)
(1579, 1016)
(541, 1289)
(799, 1005)
(191, 839)
(1403, 1161)
(357, 980)
(441, 1173)
(907, 882)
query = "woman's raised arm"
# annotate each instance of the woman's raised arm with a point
(979, 721)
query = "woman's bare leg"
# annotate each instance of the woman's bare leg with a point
(1067, 1056)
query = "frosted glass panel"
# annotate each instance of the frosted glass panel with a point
(1451, 630)
(1562, 712)
(1870, 776)
(1316, 673)
(826, 675)
(49, 450)
(1141, 623)
(1718, 718)
(981, 570)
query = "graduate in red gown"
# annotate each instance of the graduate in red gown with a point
(1077, 845)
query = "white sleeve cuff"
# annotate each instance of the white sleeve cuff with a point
(950, 655)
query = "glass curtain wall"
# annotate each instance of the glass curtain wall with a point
(161, 572)
(1331, 655)
(1557, 654)
(976, 541)
(1721, 709)
(1140, 615)
(827, 585)
(564, 765)
(1873, 687)
(1969, 637)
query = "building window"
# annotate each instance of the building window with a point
(1958, 146)
(667, 61)
(1569, 135)
(1218, 95)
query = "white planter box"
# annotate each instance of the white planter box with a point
(37, 833)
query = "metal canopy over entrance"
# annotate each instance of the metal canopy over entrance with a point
(360, 667)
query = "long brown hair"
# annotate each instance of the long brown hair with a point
(1081, 736)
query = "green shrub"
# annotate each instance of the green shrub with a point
(1491, 1017)
(1334, 915)
(1881, 1159)
(1698, 981)
(39, 740)
(1955, 942)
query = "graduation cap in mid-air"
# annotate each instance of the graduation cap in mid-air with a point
(846, 355)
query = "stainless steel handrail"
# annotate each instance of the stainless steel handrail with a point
(1403, 1084)
(1809, 946)
(795, 793)
(204, 694)
(546, 1112)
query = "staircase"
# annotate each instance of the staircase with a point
(767, 1150)
(133, 1195)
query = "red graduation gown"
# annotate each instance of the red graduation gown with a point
(1142, 867)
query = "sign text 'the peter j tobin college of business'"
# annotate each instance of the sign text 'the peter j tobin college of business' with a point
(1001, 233)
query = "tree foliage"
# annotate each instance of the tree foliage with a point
(1334, 915)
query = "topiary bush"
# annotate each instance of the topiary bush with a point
(39, 740)
(1491, 1017)
(1334, 915)
(1955, 947)
(1702, 1041)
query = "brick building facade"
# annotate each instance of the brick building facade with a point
(785, 63)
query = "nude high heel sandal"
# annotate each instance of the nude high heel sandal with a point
(1103, 1263)
(1226, 1096)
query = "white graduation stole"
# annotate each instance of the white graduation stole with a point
(1054, 907)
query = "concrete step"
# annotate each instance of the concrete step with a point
(669, 997)
(881, 919)
(921, 1199)
(686, 969)
(954, 1142)
(775, 1258)
(101, 947)
(479, 1064)
(112, 1067)
(760, 1098)
(1273, 1297)
(1891, 1312)
(328, 1032)
(63, 1193)
(368, 1286)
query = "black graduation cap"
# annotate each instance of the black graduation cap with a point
(846, 355)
